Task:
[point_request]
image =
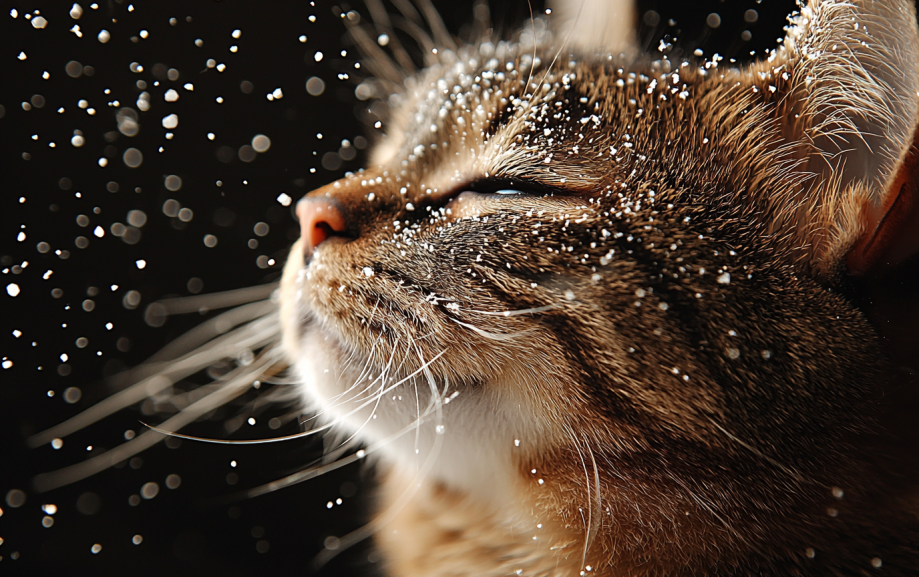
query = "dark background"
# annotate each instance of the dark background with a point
(198, 528)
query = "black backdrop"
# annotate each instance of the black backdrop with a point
(55, 337)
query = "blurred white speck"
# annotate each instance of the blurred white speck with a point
(210, 241)
(171, 95)
(141, 264)
(284, 199)
(261, 143)
(173, 183)
(210, 136)
(64, 357)
(315, 86)
(251, 421)
(171, 121)
(725, 278)
(137, 539)
(317, 57)
(99, 231)
(189, 87)
(17, 333)
(302, 38)
(368, 272)
(22, 56)
(236, 33)
(76, 11)
(713, 20)
(6, 364)
(21, 236)
(383, 39)
(96, 548)
(221, 67)
(39, 22)
(132, 157)
(104, 36)
(144, 34)
(57, 444)
(409, 207)
(14, 13)
(149, 490)
(77, 141)
(103, 162)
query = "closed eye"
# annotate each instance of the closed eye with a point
(512, 187)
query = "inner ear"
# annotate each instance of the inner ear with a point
(891, 229)
(853, 70)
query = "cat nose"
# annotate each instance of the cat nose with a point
(320, 218)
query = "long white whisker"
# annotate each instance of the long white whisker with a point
(387, 516)
(254, 335)
(489, 335)
(239, 380)
(379, 396)
(517, 312)
(301, 476)
(288, 437)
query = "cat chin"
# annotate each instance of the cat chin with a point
(460, 444)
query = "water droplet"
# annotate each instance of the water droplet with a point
(132, 157)
(261, 143)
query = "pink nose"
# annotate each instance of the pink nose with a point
(320, 219)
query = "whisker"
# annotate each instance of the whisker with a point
(492, 336)
(432, 17)
(387, 516)
(517, 312)
(254, 335)
(381, 21)
(200, 335)
(286, 437)
(236, 385)
(377, 60)
(219, 300)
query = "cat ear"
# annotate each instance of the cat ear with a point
(853, 89)
(590, 25)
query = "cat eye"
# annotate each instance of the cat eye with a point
(512, 187)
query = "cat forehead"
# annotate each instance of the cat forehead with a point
(555, 121)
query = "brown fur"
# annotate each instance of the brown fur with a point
(694, 393)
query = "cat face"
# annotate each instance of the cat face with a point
(585, 282)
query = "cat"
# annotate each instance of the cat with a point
(587, 314)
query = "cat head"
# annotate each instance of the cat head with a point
(574, 279)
